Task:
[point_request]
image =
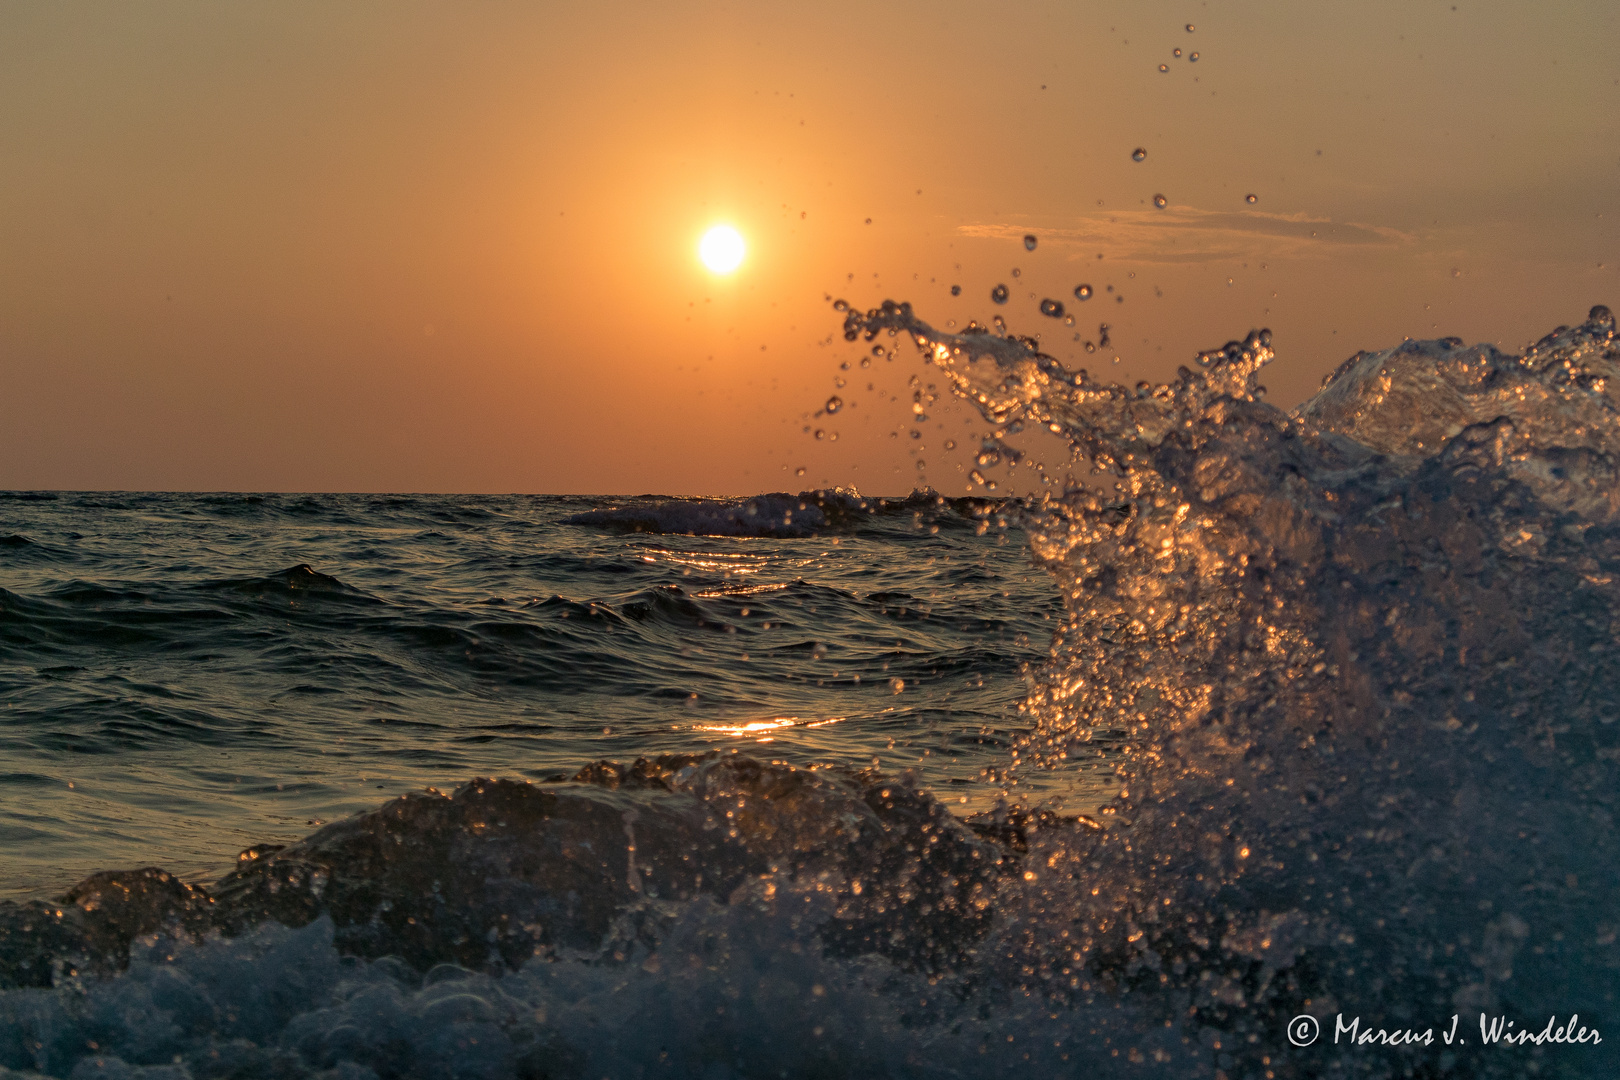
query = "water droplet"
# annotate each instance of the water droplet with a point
(840, 305)
(799, 471)
(1052, 309)
(999, 294)
(1177, 52)
(834, 403)
(1193, 58)
(1251, 198)
(820, 434)
(1030, 241)
(950, 444)
(877, 350)
(1160, 201)
(866, 361)
(1456, 272)
(1229, 281)
(869, 221)
(956, 290)
(1139, 154)
(1068, 320)
(1164, 67)
(1017, 272)
(1189, 28)
(1082, 292)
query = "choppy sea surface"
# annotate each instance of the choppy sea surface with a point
(186, 675)
(1287, 747)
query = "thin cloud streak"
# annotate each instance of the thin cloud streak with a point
(1190, 235)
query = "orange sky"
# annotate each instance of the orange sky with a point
(451, 247)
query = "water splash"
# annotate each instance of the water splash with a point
(1355, 660)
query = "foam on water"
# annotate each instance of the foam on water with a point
(1357, 663)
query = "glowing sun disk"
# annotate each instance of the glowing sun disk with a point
(722, 249)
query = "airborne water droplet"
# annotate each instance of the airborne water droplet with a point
(1030, 241)
(999, 294)
(834, 403)
(1177, 52)
(1193, 57)
(956, 290)
(1052, 309)
(1164, 67)
(1189, 28)
(1160, 201)
(1139, 154)
(1251, 198)
(1017, 272)
(820, 434)
(799, 471)
(1082, 292)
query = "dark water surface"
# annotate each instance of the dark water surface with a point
(185, 675)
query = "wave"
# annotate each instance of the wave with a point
(1361, 655)
(780, 514)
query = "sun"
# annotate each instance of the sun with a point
(722, 249)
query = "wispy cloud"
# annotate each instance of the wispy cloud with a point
(1190, 235)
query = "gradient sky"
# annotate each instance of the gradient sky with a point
(404, 246)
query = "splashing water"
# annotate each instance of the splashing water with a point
(1359, 659)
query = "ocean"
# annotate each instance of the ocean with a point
(1284, 745)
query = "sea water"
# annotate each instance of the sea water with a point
(1286, 745)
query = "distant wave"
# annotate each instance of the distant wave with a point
(778, 514)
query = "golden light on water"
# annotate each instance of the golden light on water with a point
(761, 730)
(722, 249)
